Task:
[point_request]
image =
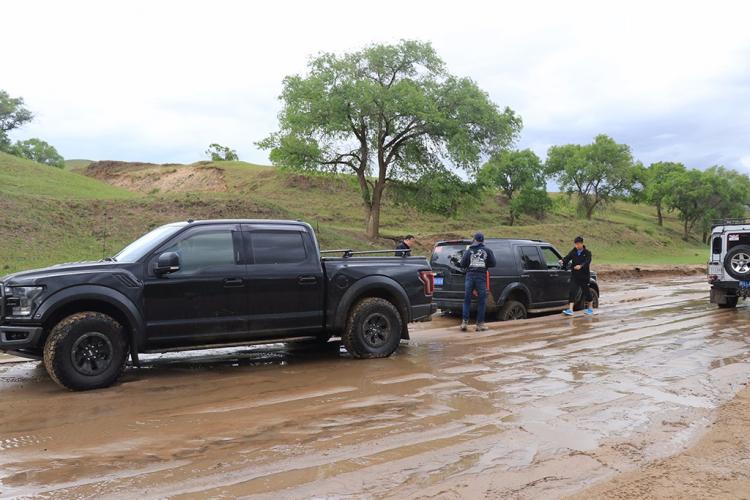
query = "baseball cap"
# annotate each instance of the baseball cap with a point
(579, 239)
(479, 237)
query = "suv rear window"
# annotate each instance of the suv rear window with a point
(448, 255)
(716, 245)
(277, 247)
(530, 259)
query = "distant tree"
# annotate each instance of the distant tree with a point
(444, 193)
(530, 200)
(386, 112)
(700, 196)
(13, 114)
(38, 151)
(512, 172)
(654, 181)
(597, 172)
(217, 152)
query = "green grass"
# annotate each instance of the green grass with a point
(19, 176)
(77, 165)
(51, 215)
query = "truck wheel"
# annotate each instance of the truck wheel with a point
(737, 262)
(730, 303)
(373, 329)
(87, 350)
(512, 309)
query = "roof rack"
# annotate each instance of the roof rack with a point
(730, 222)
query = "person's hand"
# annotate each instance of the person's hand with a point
(560, 262)
(577, 268)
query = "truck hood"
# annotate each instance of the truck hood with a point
(38, 276)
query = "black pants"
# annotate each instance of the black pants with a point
(573, 293)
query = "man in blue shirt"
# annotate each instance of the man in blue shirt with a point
(477, 259)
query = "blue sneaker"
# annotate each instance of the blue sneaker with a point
(588, 311)
(568, 312)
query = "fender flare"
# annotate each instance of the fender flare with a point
(370, 283)
(513, 287)
(100, 294)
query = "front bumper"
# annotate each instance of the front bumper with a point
(13, 338)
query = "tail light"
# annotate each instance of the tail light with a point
(428, 280)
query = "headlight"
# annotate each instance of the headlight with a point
(22, 300)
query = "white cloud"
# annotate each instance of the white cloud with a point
(160, 80)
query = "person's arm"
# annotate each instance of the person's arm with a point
(586, 260)
(491, 262)
(566, 260)
(465, 259)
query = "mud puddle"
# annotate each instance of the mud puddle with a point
(543, 407)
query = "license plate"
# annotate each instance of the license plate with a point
(714, 269)
(439, 280)
(745, 284)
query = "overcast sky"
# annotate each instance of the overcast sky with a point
(158, 81)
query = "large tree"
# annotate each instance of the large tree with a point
(655, 185)
(596, 172)
(13, 114)
(514, 171)
(386, 112)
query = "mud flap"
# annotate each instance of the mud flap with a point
(718, 296)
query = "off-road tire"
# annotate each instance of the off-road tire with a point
(731, 303)
(73, 332)
(737, 253)
(580, 304)
(363, 342)
(512, 309)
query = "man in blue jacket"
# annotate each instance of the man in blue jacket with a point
(580, 275)
(477, 260)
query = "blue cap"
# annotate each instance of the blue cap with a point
(479, 237)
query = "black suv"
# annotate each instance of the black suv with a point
(527, 279)
(201, 284)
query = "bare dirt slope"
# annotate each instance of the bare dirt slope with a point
(150, 178)
(541, 408)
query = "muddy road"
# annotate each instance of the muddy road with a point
(538, 408)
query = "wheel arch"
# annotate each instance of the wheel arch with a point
(95, 298)
(515, 291)
(374, 286)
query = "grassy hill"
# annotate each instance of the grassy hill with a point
(51, 215)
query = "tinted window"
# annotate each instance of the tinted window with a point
(717, 245)
(530, 259)
(205, 249)
(277, 247)
(447, 255)
(503, 256)
(551, 258)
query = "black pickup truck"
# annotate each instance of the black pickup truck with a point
(198, 284)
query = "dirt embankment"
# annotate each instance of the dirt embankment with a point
(152, 178)
(624, 271)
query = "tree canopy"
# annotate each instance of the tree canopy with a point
(13, 115)
(655, 184)
(517, 171)
(386, 112)
(596, 172)
(217, 152)
(38, 151)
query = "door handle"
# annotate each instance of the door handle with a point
(554, 275)
(525, 275)
(307, 280)
(233, 282)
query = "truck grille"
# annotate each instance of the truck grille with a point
(2, 302)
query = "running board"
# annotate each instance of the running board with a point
(547, 309)
(280, 340)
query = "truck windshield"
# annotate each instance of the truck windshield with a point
(448, 254)
(140, 247)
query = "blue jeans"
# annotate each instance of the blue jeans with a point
(479, 282)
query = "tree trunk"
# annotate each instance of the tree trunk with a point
(659, 216)
(590, 212)
(686, 232)
(373, 217)
(511, 219)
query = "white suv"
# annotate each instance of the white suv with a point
(729, 263)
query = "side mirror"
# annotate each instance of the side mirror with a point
(168, 262)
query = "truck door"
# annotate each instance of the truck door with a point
(533, 273)
(205, 301)
(285, 276)
(558, 279)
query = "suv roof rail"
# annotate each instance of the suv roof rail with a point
(730, 222)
